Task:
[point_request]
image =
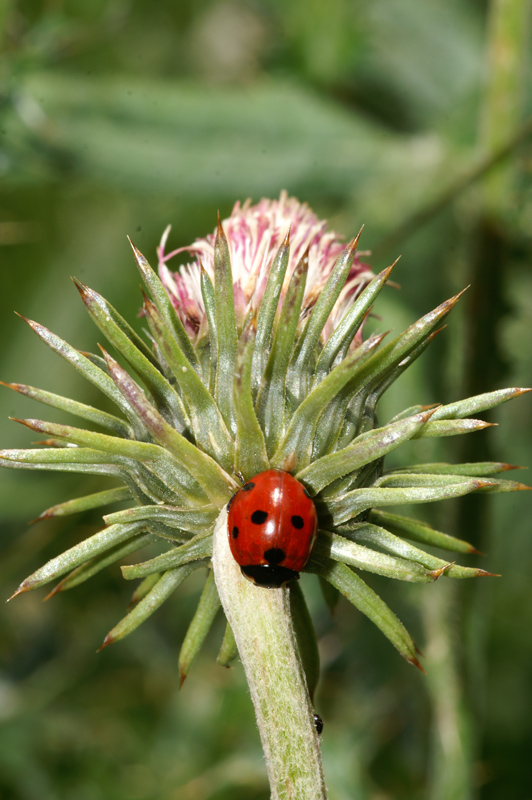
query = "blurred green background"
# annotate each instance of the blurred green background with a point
(411, 117)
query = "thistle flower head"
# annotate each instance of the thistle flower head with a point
(254, 235)
(254, 362)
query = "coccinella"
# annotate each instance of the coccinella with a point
(272, 527)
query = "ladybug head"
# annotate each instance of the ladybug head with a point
(269, 576)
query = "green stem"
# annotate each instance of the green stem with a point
(457, 186)
(264, 633)
(504, 96)
(452, 745)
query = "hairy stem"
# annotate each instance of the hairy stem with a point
(262, 626)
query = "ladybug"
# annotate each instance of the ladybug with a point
(272, 526)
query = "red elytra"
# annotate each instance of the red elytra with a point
(272, 526)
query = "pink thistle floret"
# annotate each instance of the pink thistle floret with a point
(254, 234)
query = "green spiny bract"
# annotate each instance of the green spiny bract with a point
(245, 371)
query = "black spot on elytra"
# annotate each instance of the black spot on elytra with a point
(234, 532)
(248, 486)
(274, 556)
(259, 517)
(297, 521)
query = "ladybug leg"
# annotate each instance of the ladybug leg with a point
(230, 503)
(238, 474)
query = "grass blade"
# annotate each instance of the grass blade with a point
(226, 336)
(161, 591)
(296, 446)
(128, 344)
(365, 449)
(198, 548)
(102, 418)
(267, 310)
(208, 606)
(338, 343)
(270, 398)
(154, 285)
(107, 559)
(206, 422)
(362, 597)
(251, 454)
(79, 554)
(89, 501)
